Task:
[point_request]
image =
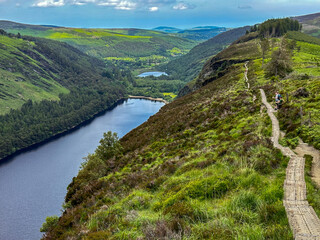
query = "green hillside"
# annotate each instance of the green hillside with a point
(25, 74)
(310, 24)
(131, 47)
(187, 67)
(48, 87)
(204, 167)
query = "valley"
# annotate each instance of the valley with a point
(215, 161)
(48, 88)
(177, 176)
(128, 47)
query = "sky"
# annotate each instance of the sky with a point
(152, 13)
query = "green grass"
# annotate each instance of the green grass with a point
(171, 95)
(204, 166)
(312, 188)
(179, 177)
(116, 43)
(20, 77)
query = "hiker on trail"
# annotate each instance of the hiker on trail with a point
(278, 100)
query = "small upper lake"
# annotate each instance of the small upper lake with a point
(33, 184)
(155, 74)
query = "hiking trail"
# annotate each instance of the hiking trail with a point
(303, 149)
(246, 75)
(303, 220)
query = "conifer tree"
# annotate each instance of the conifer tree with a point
(280, 64)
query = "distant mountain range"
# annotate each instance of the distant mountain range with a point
(200, 33)
(167, 29)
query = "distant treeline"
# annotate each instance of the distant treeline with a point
(276, 27)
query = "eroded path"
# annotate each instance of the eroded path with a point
(303, 220)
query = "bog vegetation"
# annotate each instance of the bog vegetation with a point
(204, 166)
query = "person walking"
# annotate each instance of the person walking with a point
(278, 100)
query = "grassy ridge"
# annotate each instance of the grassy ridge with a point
(111, 44)
(202, 168)
(306, 75)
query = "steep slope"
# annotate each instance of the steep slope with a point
(219, 65)
(202, 168)
(26, 74)
(310, 24)
(124, 45)
(205, 166)
(187, 67)
(48, 87)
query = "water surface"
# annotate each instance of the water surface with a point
(155, 74)
(33, 184)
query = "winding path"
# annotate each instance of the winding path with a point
(303, 220)
(246, 75)
(303, 149)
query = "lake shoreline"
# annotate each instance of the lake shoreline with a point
(149, 98)
(37, 180)
(76, 127)
(61, 134)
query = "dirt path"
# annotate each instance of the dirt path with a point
(303, 220)
(303, 149)
(246, 75)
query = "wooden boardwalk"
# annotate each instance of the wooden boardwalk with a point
(303, 220)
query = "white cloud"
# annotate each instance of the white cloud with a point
(153, 9)
(183, 6)
(81, 2)
(126, 5)
(119, 4)
(109, 3)
(147, 5)
(49, 3)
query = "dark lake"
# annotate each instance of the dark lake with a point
(33, 184)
